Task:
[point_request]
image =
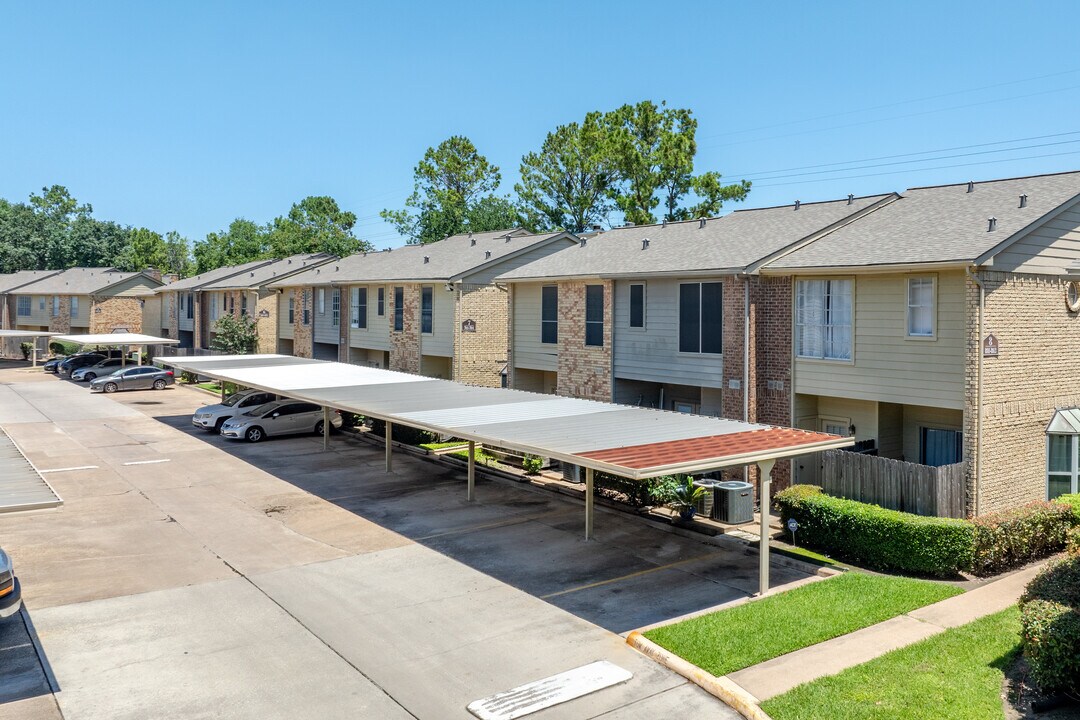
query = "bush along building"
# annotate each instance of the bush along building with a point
(673, 316)
(94, 300)
(939, 329)
(430, 309)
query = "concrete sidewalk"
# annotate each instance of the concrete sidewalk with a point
(777, 676)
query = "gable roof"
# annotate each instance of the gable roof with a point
(81, 281)
(263, 274)
(731, 243)
(17, 279)
(196, 282)
(940, 224)
(446, 260)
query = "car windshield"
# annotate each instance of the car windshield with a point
(233, 399)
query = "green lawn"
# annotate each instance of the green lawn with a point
(441, 445)
(801, 553)
(739, 637)
(956, 675)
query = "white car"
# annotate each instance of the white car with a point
(283, 417)
(10, 592)
(212, 417)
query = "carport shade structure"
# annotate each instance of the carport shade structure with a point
(35, 334)
(633, 442)
(124, 340)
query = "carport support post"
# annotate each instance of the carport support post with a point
(588, 503)
(389, 446)
(471, 494)
(326, 428)
(765, 470)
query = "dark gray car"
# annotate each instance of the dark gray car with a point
(140, 377)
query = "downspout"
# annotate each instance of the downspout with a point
(978, 388)
(746, 350)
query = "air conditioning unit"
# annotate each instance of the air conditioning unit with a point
(733, 502)
(573, 473)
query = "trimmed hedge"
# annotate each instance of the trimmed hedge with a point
(1017, 536)
(1072, 501)
(1050, 625)
(1072, 540)
(877, 538)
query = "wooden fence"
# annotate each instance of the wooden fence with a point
(894, 484)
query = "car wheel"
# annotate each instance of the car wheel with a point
(89, 377)
(319, 428)
(110, 387)
(217, 426)
(159, 384)
(254, 434)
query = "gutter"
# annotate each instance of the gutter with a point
(979, 386)
(868, 269)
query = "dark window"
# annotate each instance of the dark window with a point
(292, 309)
(243, 304)
(190, 306)
(637, 306)
(940, 447)
(549, 314)
(426, 301)
(359, 307)
(701, 313)
(23, 309)
(399, 309)
(335, 301)
(594, 315)
(379, 309)
(305, 312)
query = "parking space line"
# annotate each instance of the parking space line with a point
(639, 573)
(147, 462)
(69, 469)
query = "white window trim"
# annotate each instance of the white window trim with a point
(1074, 475)
(29, 306)
(824, 420)
(795, 321)
(73, 306)
(335, 315)
(644, 308)
(322, 300)
(933, 308)
(56, 306)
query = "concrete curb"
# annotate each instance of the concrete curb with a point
(722, 688)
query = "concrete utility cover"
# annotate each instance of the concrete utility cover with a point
(21, 486)
(535, 696)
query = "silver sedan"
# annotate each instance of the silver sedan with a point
(281, 417)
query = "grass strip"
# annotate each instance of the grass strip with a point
(956, 675)
(745, 635)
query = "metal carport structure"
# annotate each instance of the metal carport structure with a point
(35, 334)
(633, 442)
(124, 340)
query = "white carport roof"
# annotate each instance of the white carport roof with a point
(117, 339)
(624, 440)
(24, 333)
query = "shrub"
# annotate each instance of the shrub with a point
(875, 537)
(1072, 540)
(1073, 501)
(1050, 625)
(531, 464)
(632, 492)
(404, 433)
(63, 348)
(26, 349)
(1013, 537)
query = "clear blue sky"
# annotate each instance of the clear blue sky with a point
(187, 115)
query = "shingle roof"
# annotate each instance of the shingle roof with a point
(19, 278)
(945, 223)
(725, 244)
(264, 274)
(446, 259)
(78, 281)
(197, 281)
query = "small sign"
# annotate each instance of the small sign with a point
(97, 311)
(264, 313)
(991, 348)
(792, 525)
(468, 326)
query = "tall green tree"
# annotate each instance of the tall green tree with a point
(16, 250)
(177, 254)
(316, 224)
(243, 242)
(95, 243)
(145, 249)
(566, 184)
(450, 184)
(55, 212)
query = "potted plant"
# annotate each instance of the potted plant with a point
(685, 496)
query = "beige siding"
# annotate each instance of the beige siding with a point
(324, 329)
(376, 336)
(488, 275)
(133, 287)
(151, 315)
(888, 366)
(529, 352)
(81, 318)
(285, 328)
(441, 340)
(919, 417)
(1049, 249)
(184, 322)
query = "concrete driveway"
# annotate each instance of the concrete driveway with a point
(189, 577)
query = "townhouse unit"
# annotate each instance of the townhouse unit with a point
(430, 309)
(185, 313)
(9, 287)
(939, 328)
(95, 300)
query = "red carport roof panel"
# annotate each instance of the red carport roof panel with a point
(640, 457)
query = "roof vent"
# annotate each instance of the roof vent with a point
(1023, 200)
(644, 243)
(701, 223)
(971, 186)
(850, 198)
(470, 233)
(472, 241)
(797, 204)
(991, 224)
(487, 254)
(582, 241)
(665, 222)
(426, 259)
(629, 224)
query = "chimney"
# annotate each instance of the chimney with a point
(170, 277)
(701, 223)
(991, 224)
(153, 272)
(850, 198)
(797, 204)
(971, 186)
(645, 243)
(1023, 200)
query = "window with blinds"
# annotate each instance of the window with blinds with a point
(359, 307)
(549, 314)
(920, 307)
(823, 319)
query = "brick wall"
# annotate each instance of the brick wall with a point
(172, 322)
(405, 345)
(303, 339)
(113, 313)
(266, 320)
(1034, 373)
(584, 371)
(480, 356)
(60, 323)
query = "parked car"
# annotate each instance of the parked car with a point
(212, 417)
(10, 592)
(52, 365)
(140, 377)
(104, 367)
(85, 359)
(281, 417)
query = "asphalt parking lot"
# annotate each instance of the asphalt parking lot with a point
(190, 576)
